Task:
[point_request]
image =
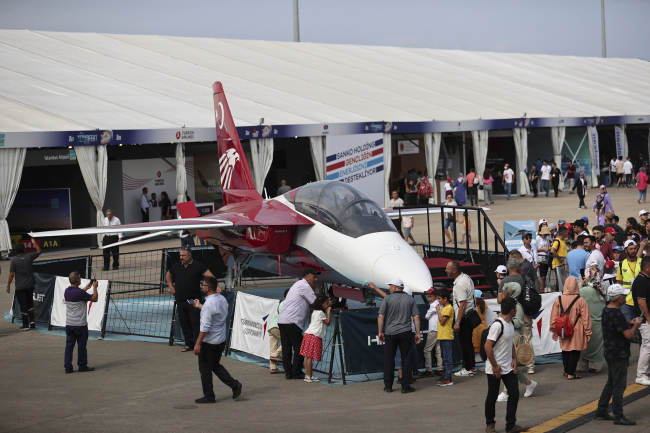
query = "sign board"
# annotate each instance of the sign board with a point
(359, 161)
(514, 230)
(40, 209)
(95, 309)
(407, 146)
(252, 314)
(620, 141)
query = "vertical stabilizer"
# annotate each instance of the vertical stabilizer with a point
(235, 174)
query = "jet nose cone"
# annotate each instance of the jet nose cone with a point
(405, 264)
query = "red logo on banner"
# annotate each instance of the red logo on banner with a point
(159, 174)
(178, 135)
(401, 147)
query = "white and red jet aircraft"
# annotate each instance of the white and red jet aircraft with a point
(328, 225)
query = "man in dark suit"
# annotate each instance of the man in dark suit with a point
(581, 187)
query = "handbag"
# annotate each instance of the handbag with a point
(524, 351)
(480, 187)
(472, 316)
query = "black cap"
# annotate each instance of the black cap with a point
(309, 271)
(579, 223)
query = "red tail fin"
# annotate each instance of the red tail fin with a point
(235, 174)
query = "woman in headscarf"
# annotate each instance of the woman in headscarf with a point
(578, 315)
(460, 186)
(592, 291)
(513, 290)
(607, 200)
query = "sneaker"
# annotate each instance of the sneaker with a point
(530, 388)
(445, 382)
(32, 325)
(438, 373)
(276, 358)
(530, 370)
(644, 380)
(503, 397)
(24, 328)
(275, 371)
(516, 429)
(464, 372)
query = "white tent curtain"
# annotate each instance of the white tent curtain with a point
(557, 136)
(181, 174)
(387, 160)
(318, 155)
(625, 154)
(480, 144)
(591, 130)
(11, 169)
(431, 154)
(262, 157)
(93, 163)
(521, 148)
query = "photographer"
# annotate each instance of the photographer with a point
(76, 321)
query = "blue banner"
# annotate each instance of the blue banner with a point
(43, 297)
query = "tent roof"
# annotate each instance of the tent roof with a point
(52, 81)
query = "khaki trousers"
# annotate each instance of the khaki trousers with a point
(432, 340)
(528, 335)
(276, 348)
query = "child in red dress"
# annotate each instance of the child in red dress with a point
(312, 343)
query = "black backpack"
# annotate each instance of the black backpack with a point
(529, 298)
(484, 336)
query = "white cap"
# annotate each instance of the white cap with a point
(408, 290)
(542, 221)
(502, 269)
(628, 243)
(617, 290)
(396, 282)
(643, 212)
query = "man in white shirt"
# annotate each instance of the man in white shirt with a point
(619, 171)
(595, 256)
(111, 238)
(501, 365)
(546, 176)
(395, 201)
(627, 169)
(508, 178)
(144, 205)
(612, 169)
(463, 302)
(528, 251)
(432, 335)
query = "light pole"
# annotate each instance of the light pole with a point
(296, 25)
(602, 23)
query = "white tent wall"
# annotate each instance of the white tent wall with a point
(11, 170)
(318, 147)
(388, 146)
(480, 145)
(625, 148)
(262, 157)
(93, 162)
(181, 175)
(520, 136)
(432, 154)
(557, 135)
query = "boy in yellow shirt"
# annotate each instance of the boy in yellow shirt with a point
(445, 335)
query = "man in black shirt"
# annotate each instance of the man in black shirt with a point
(616, 334)
(184, 281)
(640, 294)
(21, 269)
(556, 174)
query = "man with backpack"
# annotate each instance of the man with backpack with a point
(571, 323)
(502, 366)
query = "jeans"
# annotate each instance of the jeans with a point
(466, 345)
(508, 187)
(614, 388)
(570, 360)
(450, 223)
(114, 250)
(447, 361)
(545, 186)
(510, 381)
(487, 194)
(404, 341)
(209, 363)
(291, 340)
(642, 193)
(79, 335)
(25, 298)
(189, 317)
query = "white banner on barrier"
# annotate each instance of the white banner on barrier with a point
(543, 343)
(252, 314)
(95, 309)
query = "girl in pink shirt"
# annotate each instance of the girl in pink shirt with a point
(642, 184)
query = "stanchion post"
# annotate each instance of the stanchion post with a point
(171, 331)
(108, 298)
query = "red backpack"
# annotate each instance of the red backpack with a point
(563, 326)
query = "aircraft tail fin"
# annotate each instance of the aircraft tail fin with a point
(235, 174)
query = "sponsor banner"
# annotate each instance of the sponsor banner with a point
(514, 230)
(408, 146)
(620, 141)
(359, 161)
(593, 134)
(43, 297)
(40, 209)
(543, 343)
(361, 347)
(252, 314)
(230, 298)
(95, 310)
(155, 175)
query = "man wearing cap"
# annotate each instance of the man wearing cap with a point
(543, 247)
(640, 295)
(643, 217)
(586, 221)
(546, 176)
(528, 251)
(628, 270)
(398, 310)
(291, 322)
(508, 179)
(616, 334)
(579, 228)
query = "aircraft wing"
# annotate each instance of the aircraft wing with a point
(154, 226)
(261, 213)
(135, 239)
(395, 212)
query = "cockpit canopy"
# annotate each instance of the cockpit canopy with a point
(341, 207)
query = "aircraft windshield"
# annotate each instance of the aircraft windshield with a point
(341, 207)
